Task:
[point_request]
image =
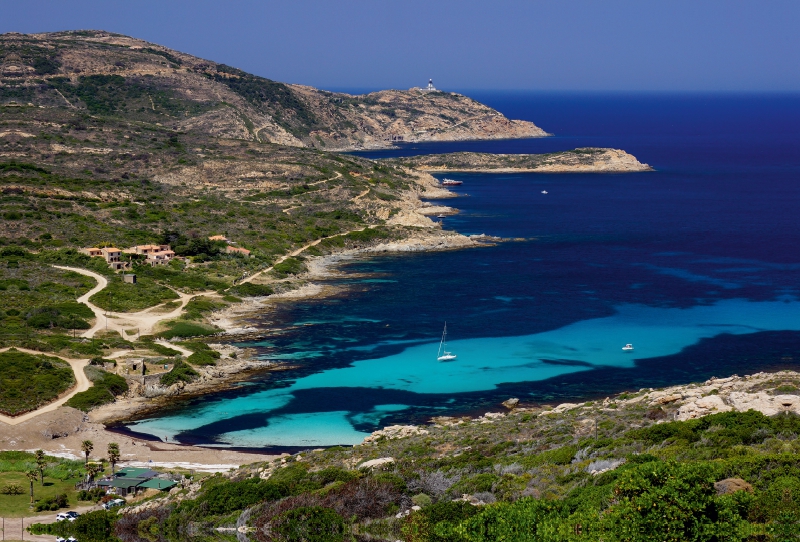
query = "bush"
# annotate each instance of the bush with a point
(28, 381)
(180, 372)
(310, 523)
(160, 349)
(52, 503)
(93, 495)
(105, 389)
(204, 357)
(121, 296)
(289, 266)
(186, 329)
(225, 497)
(12, 489)
(248, 289)
(421, 500)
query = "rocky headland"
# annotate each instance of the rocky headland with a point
(582, 160)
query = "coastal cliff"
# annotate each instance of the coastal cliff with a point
(582, 160)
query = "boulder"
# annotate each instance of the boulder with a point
(666, 399)
(732, 485)
(702, 407)
(511, 403)
(372, 463)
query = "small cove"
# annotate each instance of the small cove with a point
(695, 264)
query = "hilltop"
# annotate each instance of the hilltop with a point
(101, 73)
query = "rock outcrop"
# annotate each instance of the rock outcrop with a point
(583, 160)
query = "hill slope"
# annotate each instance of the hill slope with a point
(103, 73)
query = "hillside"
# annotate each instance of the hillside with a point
(641, 466)
(100, 73)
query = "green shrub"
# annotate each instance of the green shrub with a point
(160, 349)
(422, 500)
(107, 386)
(12, 489)
(52, 503)
(121, 296)
(180, 372)
(93, 495)
(28, 381)
(248, 289)
(186, 329)
(204, 357)
(308, 523)
(289, 266)
(228, 497)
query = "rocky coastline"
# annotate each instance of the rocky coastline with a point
(581, 160)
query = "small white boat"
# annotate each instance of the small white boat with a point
(544, 191)
(443, 354)
(440, 216)
(451, 182)
(627, 348)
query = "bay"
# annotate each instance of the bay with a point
(696, 264)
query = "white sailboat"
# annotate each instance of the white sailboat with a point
(443, 354)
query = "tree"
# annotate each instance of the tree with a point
(41, 463)
(113, 454)
(92, 470)
(32, 477)
(87, 446)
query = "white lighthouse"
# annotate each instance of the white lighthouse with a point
(430, 88)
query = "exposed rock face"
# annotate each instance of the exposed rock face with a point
(583, 160)
(395, 431)
(159, 85)
(373, 463)
(732, 485)
(754, 392)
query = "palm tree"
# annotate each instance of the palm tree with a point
(32, 477)
(93, 469)
(87, 446)
(113, 454)
(41, 463)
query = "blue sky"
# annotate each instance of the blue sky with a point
(583, 45)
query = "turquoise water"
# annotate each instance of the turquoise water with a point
(695, 264)
(483, 364)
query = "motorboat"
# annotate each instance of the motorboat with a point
(443, 354)
(451, 182)
(544, 191)
(627, 348)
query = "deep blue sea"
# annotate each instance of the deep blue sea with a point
(695, 264)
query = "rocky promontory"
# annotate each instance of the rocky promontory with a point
(582, 160)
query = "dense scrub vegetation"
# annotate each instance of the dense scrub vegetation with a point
(725, 477)
(28, 381)
(105, 388)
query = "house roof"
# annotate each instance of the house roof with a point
(124, 483)
(155, 483)
(136, 472)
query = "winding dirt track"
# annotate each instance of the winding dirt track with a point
(298, 251)
(143, 321)
(82, 383)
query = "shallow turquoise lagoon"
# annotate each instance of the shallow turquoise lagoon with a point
(482, 364)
